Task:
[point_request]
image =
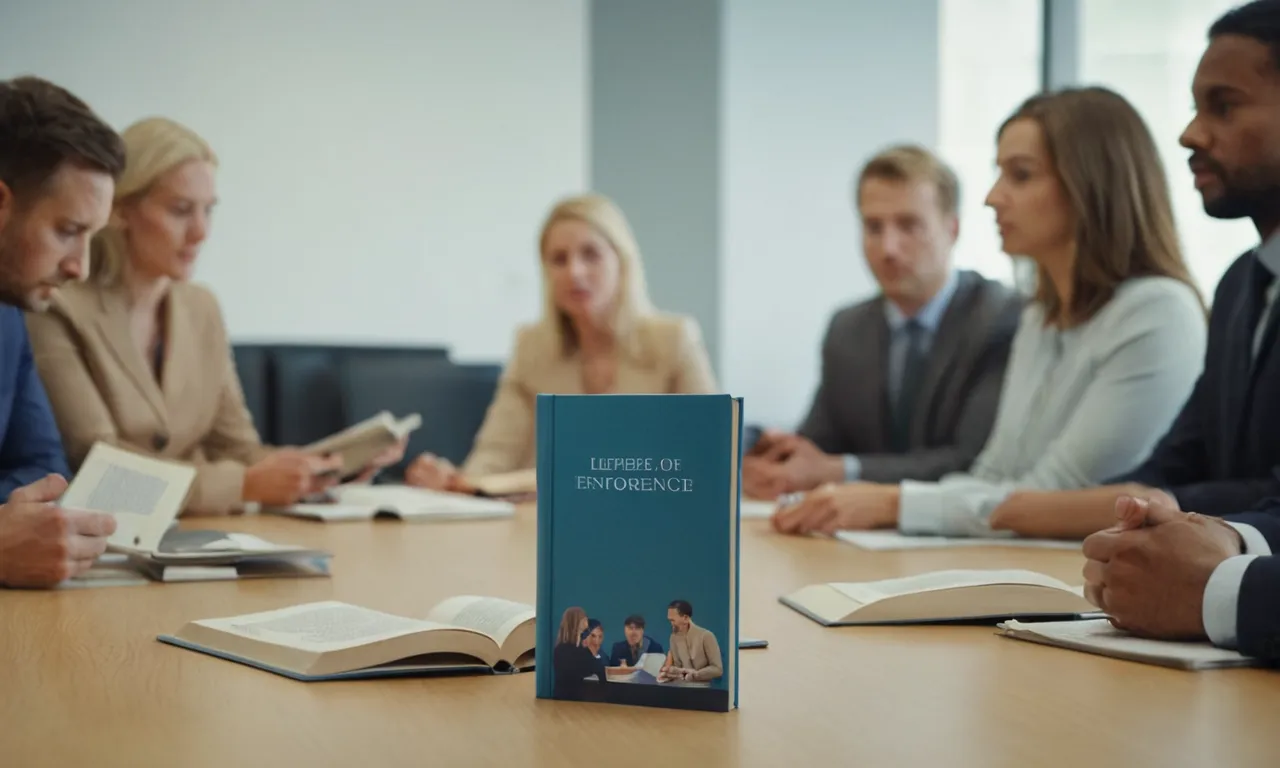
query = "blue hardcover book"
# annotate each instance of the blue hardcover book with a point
(638, 549)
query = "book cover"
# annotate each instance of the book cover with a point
(638, 549)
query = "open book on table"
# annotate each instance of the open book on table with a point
(365, 502)
(1098, 636)
(333, 640)
(940, 596)
(360, 443)
(146, 495)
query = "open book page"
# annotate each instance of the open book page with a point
(493, 616)
(1100, 636)
(890, 540)
(869, 592)
(144, 494)
(319, 627)
(410, 502)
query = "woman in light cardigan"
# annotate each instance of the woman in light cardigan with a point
(599, 334)
(1105, 354)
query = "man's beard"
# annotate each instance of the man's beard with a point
(14, 289)
(1247, 193)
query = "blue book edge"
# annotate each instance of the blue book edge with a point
(544, 628)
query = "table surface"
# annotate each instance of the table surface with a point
(83, 682)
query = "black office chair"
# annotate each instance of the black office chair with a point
(452, 400)
(253, 367)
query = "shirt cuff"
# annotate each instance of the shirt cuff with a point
(1221, 600)
(852, 468)
(1254, 542)
(920, 509)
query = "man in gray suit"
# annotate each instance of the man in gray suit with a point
(911, 378)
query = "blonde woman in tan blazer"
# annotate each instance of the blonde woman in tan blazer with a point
(139, 357)
(599, 334)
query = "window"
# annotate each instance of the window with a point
(1147, 50)
(989, 55)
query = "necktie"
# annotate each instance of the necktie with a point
(913, 367)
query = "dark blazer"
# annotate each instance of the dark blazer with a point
(30, 447)
(959, 396)
(1257, 610)
(1222, 453)
(571, 665)
(622, 651)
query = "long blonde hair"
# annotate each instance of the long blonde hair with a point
(153, 147)
(632, 303)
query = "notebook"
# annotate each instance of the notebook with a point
(1100, 637)
(940, 596)
(891, 540)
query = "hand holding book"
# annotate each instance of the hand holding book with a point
(287, 475)
(41, 543)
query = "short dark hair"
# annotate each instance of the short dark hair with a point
(634, 620)
(43, 126)
(682, 607)
(1259, 20)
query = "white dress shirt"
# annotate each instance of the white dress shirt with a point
(1222, 593)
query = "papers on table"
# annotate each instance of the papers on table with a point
(756, 509)
(891, 540)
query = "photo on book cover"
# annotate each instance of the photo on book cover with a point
(638, 550)
(692, 658)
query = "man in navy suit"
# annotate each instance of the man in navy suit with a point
(628, 652)
(58, 164)
(1176, 575)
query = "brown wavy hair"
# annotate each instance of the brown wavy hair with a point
(1104, 156)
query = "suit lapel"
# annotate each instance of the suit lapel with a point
(879, 343)
(113, 324)
(180, 343)
(948, 343)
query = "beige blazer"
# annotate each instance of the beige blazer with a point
(698, 650)
(102, 388)
(671, 360)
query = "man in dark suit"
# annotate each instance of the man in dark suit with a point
(1175, 575)
(58, 164)
(911, 378)
(628, 652)
(1222, 453)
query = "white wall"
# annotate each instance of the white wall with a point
(811, 90)
(385, 164)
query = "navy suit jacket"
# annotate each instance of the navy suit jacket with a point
(622, 651)
(30, 446)
(1222, 454)
(1257, 609)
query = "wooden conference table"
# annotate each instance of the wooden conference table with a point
(84, 683)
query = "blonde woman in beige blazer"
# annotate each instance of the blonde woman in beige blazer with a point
(139, 357)
(599, 334)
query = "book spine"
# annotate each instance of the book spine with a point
(737, 553)
(545, 623)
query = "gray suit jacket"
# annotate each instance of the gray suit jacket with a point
(959, 396)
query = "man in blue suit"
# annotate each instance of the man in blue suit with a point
(628, 652)
(1176, 575)
(58, 164)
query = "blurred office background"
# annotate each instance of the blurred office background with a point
(386, 164)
